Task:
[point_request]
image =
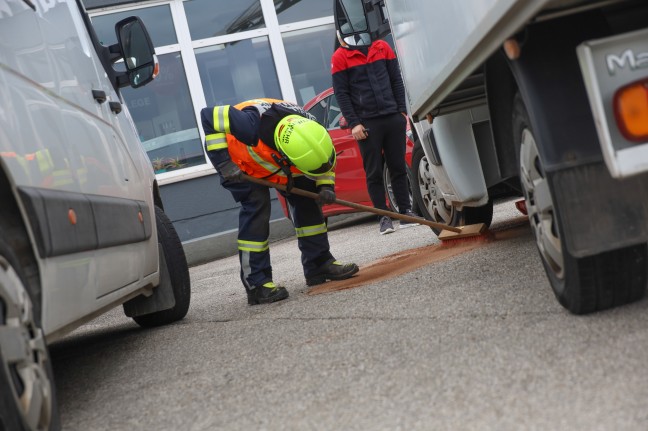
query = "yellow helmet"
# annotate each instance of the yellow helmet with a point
(306, 144)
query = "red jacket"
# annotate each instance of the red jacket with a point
(367, 86)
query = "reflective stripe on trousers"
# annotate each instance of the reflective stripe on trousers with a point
(254, 230)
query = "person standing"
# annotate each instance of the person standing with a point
(371, 95)
(280, 142)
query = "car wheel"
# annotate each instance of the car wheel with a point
(581, 284)
(389, 191)
(432, 206)
(27, 394)
(173, 266)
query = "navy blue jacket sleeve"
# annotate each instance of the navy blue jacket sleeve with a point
(207, 121)
(243, 125)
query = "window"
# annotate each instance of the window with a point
(240, 69)
(309, 54)
(299, 10)
(319, 111)
(164, 117)
(234, 72)
(157, 20)
(334, 113)
(209, 18)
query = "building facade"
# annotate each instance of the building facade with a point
(215, 52)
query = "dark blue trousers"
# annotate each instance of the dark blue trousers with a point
(254, 230)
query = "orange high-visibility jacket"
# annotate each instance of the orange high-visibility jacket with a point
(255, 161)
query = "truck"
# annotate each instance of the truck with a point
(545, 99)
(82, 223)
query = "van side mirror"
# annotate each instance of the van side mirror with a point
(135, 47)
(358, 22)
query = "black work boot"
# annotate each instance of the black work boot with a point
(266, 293)
(332, 270)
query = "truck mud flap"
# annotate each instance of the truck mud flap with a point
(600, 213)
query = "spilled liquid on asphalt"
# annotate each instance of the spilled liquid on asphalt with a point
(410, 260)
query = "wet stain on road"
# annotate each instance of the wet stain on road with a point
(410, 260)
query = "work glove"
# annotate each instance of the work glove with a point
(230, 171)
(326, 195)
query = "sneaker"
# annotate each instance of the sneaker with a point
(386, 225)
(333, 270)
(405, 224)
(266, 293)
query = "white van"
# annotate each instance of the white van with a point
(82, 229)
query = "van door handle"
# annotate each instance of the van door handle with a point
(99, 95)
(116, 107)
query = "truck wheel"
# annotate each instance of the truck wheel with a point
(581, 284)
(389, 191)
(176, 269)
(27, 397)
(432, 206)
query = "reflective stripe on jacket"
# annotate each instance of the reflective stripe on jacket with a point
(256, 161)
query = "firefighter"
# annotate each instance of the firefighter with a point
(278, 141)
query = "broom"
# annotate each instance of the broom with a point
(447, 232)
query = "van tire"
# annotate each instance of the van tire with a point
(454, 217)
(17, 317)
(178, 271)
(581, 284)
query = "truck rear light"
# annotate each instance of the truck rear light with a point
(631, 110)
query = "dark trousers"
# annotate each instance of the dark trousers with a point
(385, 144)
(254, 230)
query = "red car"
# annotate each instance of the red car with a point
(350, 180)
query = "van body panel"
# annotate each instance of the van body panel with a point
(72, 153)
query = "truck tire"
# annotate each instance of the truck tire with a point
(177, 270)
(433, 207)
(581, 284)
(389, 191)
(28, 396)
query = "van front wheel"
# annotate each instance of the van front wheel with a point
(173, 267)
(27, 395)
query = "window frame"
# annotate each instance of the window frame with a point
(186, 47)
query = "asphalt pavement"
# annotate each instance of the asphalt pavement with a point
(476, 341)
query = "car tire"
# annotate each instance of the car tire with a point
(433, 207)
(389, 192)
(581, 284)
(176, 269)
(27, 394)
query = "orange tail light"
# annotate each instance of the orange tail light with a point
(631, 111)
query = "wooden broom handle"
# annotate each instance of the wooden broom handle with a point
(365, 208)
